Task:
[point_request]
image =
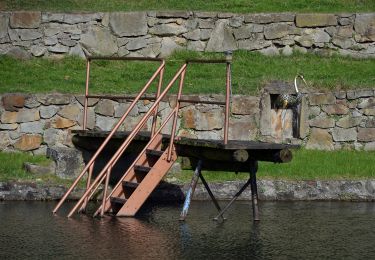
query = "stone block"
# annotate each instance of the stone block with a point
(221, 39)
(269, 18)
(68, 161)
(336, 109)
(168, 46)
(91, 101)
(244, 128)
(105, 107)
(349, 121)
(369, 146)
(322, 99)
(370, 122)
(270, 51)
(62, 123)
(52, 136)
(13, 102)
(48, 111)
(366, 134)
(322, 122)
(315, 20)
(29, 34)
(277, 30)
(205, 14)
(22, 116)
(368, 111)
(106, 123)
(128, 24)
(246, 31)
(36, 127)
(90, 118)
(320, 139)
(54, 99)
(28, 142)
(58, 49)
(168, 30)
(209, 120)
(8, 126)
(136, 44)
(4, 21)
(70, 112)
(365, 26)
(99, 41)
(196, 46)
(366, 103)
(173, 14)
(121, 108)
(37, 50)
(344, 135)
(4, 140)
(255, 42)
(81, 17)
(25, 19)
(245, 105)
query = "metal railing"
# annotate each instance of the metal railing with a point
(89, 166)
(105, 173)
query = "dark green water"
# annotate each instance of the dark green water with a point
(288, 230)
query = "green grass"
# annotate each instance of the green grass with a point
(306, 165)
(240, 6)
(11, 169)
(250, 72)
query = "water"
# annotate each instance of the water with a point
(288, 230)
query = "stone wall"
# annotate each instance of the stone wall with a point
(151, 34)
(332, 120)
(343, 190)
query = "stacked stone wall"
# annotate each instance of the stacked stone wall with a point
(158, 34)
(330, 121)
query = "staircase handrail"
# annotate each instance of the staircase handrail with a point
(160, 71)
(130, 137)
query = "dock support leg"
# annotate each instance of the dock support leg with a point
(191, 190)
(211, 195)
(254, 190)
(233, 200)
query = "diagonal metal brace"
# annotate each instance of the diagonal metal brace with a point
(233, 199)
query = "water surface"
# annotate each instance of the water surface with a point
(288, 230)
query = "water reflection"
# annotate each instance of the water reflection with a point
(303, 230)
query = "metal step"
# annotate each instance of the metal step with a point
(155, 153)
(117, 200)
(141, 169)
(130, 185)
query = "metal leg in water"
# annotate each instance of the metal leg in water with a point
(191, 190)
(211, 194)
(232, 200)
(254, 190)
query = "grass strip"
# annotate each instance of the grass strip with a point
(11, 169)
(250, 72)
(237, 6)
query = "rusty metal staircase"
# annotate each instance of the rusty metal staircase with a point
(152, 163)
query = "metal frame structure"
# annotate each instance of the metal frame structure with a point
(168, 156)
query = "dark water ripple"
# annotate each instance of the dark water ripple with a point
(288, 230)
